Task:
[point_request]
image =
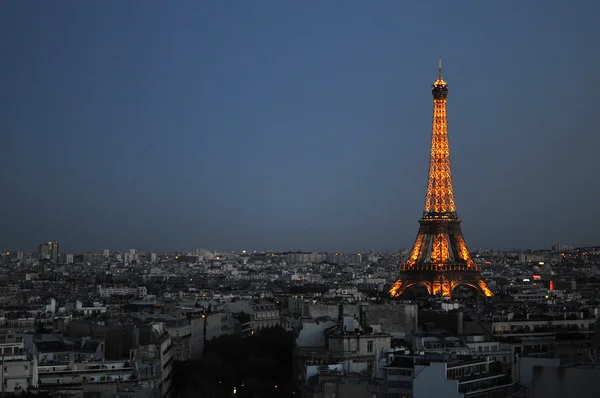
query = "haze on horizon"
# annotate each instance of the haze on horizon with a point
(294, 125)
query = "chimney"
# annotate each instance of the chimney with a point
(362, 315)
(341, 313)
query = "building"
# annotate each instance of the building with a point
(494, 350)
(121, 336)
(343, 346)
(331, 383)
(49, 251)
(264, 315)
(81, 377)
(561, 248)
(94, 258)
(439, 344)
(179, 330)
(398, 377)
(50, 349)
(446, 376)
(552, 376)
(109, 291)
(364, 349)
(154, 360)
(541, 325)
(68, 258)
(17, 371)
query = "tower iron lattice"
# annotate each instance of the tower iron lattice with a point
(439, 259)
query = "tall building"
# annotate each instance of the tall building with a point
(44, 252)
(439, 259)
(49, 251)
(133, 256)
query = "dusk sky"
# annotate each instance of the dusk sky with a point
(294, 125)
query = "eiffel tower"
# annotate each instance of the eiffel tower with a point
(439, 259)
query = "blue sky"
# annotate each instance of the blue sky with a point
(294, 125)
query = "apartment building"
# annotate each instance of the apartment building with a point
(422, 376)
(17, 370)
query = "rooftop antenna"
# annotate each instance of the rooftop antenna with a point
(440, 68)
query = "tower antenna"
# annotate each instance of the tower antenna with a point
(440, 68)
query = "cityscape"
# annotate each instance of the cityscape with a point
(484, 324)
(433, 317)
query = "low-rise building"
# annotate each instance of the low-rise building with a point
(135, 291)
(154, 359)
(265, 315)
(423, 376)
(17, 372)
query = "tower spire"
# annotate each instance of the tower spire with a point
(439, 68)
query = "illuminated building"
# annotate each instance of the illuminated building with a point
(439, 259)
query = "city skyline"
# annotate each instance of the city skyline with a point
(406, 250)
(265, 125)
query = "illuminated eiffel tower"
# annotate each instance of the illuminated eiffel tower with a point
(439, 259)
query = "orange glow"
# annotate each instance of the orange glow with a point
(440, 82)
(446, 292)
(551, 285)
(440, 253)
(416, 251)
(440, 194)
(536, 277)
(439, 259)
(394, 291)
(485, 289)
(463, 252)
(442, 287)
(400, 287)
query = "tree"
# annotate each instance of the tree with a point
(259, 365)
(243, 317)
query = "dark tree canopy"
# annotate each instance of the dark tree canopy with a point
(260, 365)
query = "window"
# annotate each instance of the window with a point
(405, 384)
(369, 346)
